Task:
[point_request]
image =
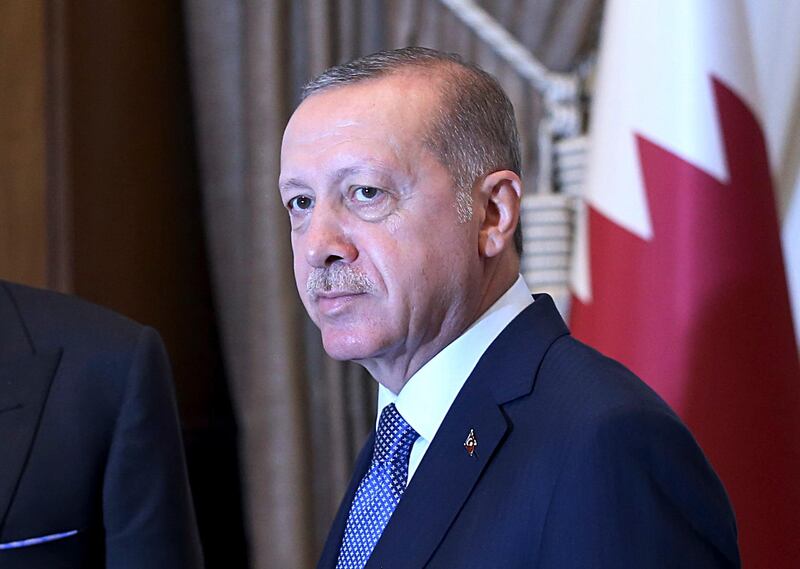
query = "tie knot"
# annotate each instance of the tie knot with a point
(394, 438)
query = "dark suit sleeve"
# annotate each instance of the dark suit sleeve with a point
(147, 508)
(636, 491)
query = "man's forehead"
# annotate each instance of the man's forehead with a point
(397, 96)
(350, 137)
(310, 125)
(385, 118)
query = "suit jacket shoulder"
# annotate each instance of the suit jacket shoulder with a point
(578, 464)
(632, 463)
(52, 320)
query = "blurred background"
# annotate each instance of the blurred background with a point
(139, 146)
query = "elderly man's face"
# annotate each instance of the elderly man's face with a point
(381, 261)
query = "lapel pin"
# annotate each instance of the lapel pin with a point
(471, 443)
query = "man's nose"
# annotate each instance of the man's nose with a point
(327, 241)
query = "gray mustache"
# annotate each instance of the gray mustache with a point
(338, 278)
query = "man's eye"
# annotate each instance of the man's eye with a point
(366, 193)
(299, 203)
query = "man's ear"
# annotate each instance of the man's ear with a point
(499, 194)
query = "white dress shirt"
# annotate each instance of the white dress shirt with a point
(428, 394)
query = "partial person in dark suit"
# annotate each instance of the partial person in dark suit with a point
(501, 441)
(92, 470)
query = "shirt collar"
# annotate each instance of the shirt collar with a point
(428, 394)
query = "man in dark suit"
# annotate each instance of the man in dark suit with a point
(501, 441)
(92, 472)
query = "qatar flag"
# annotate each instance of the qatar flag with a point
(678, 270)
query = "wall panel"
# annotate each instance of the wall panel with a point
(23, 231)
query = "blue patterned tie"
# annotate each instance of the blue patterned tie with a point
(380, 489)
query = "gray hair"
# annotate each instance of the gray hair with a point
(473, 132)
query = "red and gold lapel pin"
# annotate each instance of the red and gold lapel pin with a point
(471, 443)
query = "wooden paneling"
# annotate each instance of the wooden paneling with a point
(137, 232)
(23, 229)
(59, 194)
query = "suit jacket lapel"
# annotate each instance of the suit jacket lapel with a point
(447, 473)
(442, 482)
(14, 340)
(25, 379)
(330, 552)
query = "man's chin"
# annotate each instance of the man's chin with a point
(347, 348)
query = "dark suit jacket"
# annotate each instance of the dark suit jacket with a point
(578, 464)
(89, 440)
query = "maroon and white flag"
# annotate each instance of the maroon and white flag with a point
(678, 270)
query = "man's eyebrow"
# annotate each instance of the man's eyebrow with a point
(343, 173)
(374, 168)
(293, 184)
